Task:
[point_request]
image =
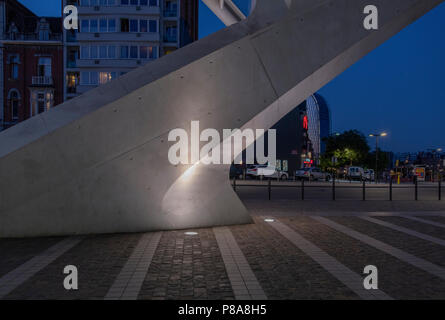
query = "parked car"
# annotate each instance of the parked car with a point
(355, 173)
(312, 174)
(264, 171)
(369, 175)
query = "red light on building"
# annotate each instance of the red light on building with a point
(305, 123)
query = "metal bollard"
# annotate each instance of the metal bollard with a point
(390, 189)
(302, 189)
(234, 183)
(364, 190)
(416, 182)
(333, 188)
(440, 187)
(269, 187)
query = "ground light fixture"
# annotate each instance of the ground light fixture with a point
(269, 220)
(191, 233)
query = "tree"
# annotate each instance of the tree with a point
(351, 147)
(383, 161)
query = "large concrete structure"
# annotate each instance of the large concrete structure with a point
(98, 163)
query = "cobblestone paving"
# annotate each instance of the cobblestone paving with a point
(191, 266)
(415, 226)
(14, 252)
(284, 271)
(420, 248)
(98, 259)
(396, 278)
(187, 267)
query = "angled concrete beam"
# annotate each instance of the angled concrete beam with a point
(99, 163)
(226, 11)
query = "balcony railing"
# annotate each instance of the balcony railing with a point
(170, 13)
(31, 37)
(169, 38)
(42, 81)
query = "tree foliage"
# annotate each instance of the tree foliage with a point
(349, 148)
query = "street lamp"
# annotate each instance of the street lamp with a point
(377, 136)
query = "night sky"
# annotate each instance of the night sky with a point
(398, 88)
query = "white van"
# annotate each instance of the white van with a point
(356, 173)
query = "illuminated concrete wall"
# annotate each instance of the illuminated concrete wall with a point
(98, 163)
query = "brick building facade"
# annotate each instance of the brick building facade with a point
(31, 58)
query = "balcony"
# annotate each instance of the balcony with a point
(42, 81)
(170, 38)
(118, 9)
(112, 63)
(118, 36)
(169, 13)
(30, 37)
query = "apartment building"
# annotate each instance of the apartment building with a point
(31, 63)
(116, 36)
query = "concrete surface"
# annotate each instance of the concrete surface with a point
(98, 163)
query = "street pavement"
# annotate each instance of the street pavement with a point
(289, 252)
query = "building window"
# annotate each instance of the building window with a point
(93, 26)
(153, 26)
(103, 52)
(72, 79)
(124, 52)
(133, 52)
(112, 52)
(14, 99)
(89, 78)
(143, 27)
(85, 25)
(44, 67)
(41, 101)
(125, 25)
(111, 25)
(133, 26)
(93, 52)
(105, 77)
(14, 66)
(43, 30)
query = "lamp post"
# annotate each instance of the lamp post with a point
(436, 153)
(377, 136)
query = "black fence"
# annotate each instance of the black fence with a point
(334, 186)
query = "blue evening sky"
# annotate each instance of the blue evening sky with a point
(398, 88)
